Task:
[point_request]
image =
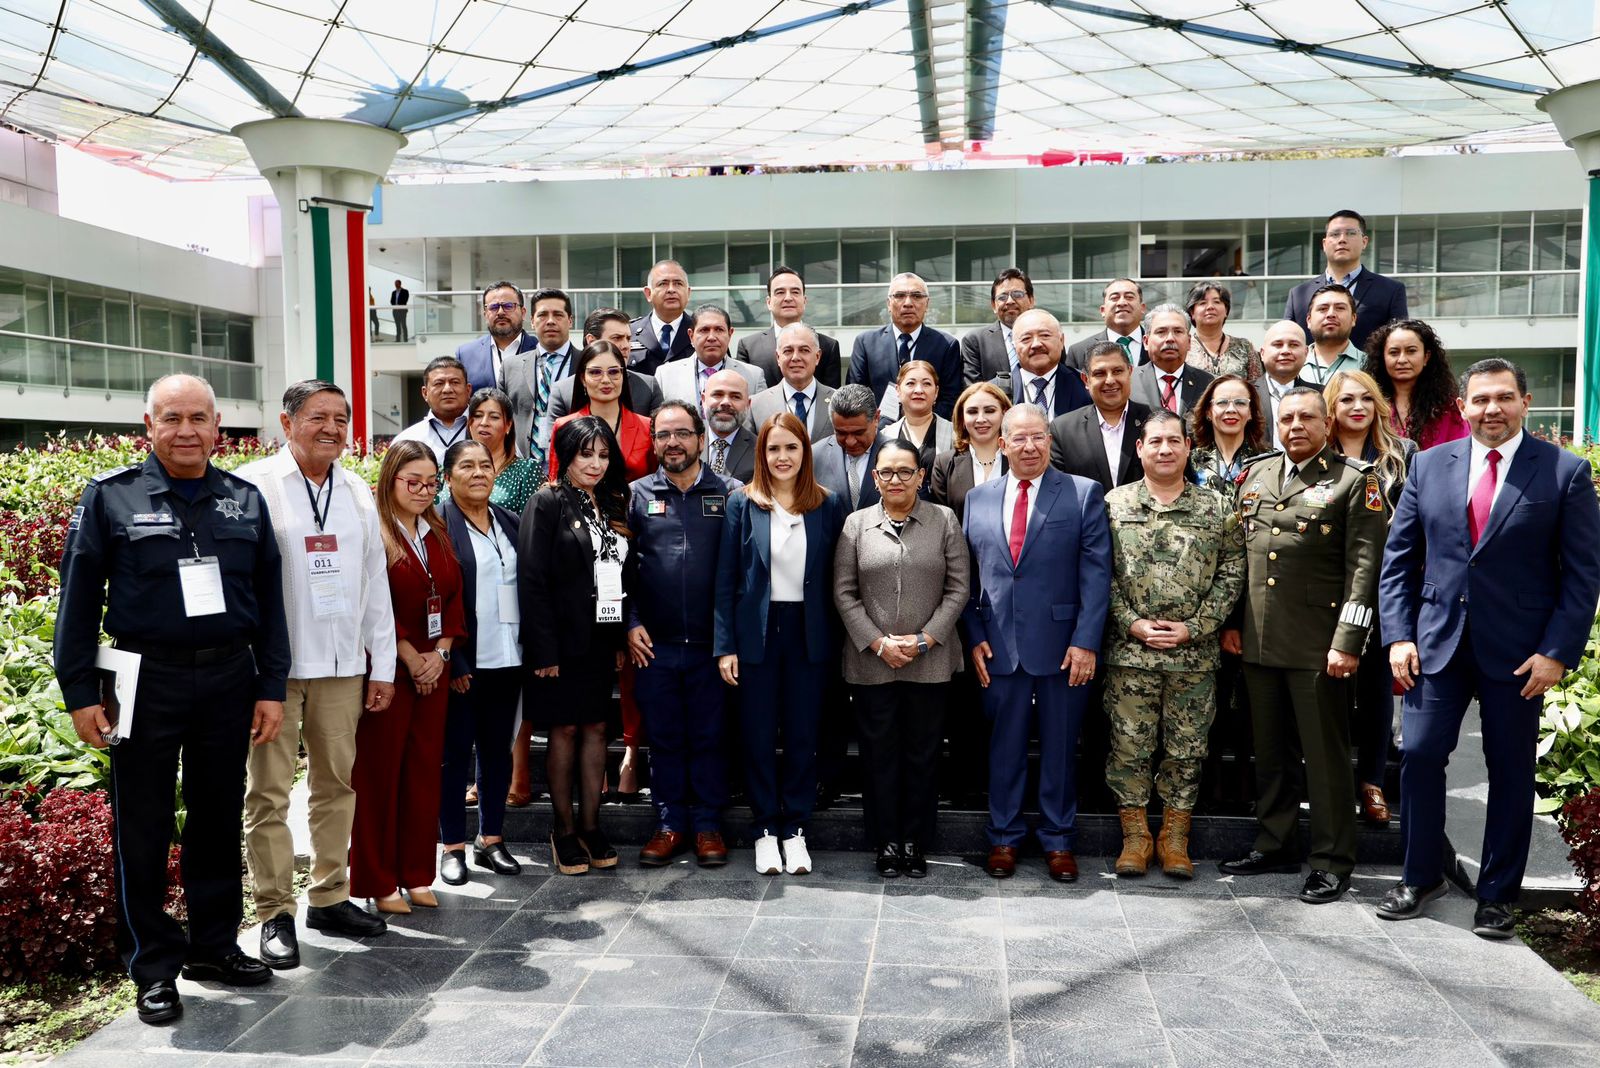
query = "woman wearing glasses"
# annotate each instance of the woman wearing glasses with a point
(399, 751)
(900, 582)
(1228, 429)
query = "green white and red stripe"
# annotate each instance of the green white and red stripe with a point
(339, 270)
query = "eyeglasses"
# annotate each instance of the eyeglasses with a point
(898, 474)
(413, 485)
(602, 372)
(904, 295)
(501, 306)
(674, 435)
(1011, 294)
(1347, 232)
(1225, 404)
(1028, 439)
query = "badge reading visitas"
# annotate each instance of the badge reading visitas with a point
(608, 591)
(435, 616)
(201, 580)
(328, 599)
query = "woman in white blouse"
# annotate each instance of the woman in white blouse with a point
(974, 456)
(917, 388)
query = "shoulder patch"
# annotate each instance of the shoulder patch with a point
(114, 472)
(1374, 493)
(1258, 457)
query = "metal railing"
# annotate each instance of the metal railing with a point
(40, 360)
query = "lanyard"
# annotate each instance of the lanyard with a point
(433, 425)
(320, 515)
(419, 546)
(491, 534)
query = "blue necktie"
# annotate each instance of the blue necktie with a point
(666, 338)
(905, 348)
(1039, 386)
(800, 407)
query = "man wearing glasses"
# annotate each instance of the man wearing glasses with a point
(878, 355)
(990, 352)
(485, 357)
(1378, 299)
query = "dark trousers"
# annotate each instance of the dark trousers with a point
(901, 724)
(1431, 717)
(1009, 703)
(483, 715)
(1284, 702)
(680, 696)
(834, 728)
(400, 333)
(966, 730)
(1372, 728)
(203, 714)
(783, 694)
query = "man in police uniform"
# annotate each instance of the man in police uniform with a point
(676, 516)
(183, 558)
(1314, 529)
(1179, 556)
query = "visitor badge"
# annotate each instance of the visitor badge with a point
(328, 599)
(435, 616)
(510, 611)
(608, 591)
(201, 580)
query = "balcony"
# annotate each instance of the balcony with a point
(94, 367)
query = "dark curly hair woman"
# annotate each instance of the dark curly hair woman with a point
(1407, 360)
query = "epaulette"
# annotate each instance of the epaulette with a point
(1247, 461)
(113, 473)
(1355, 462)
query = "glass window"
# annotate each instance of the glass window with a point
(85, 318)
(865, 262)
(213, 334)
(706, 265)
(1254, 260)
(155, 328)
(747, 264)
(241, 341)
(119, 327)
(979, 259)
(817, 261)
(1045, 256)
(1292, 250)
(633, 264)
(1469, 248)
(1413, 250)
(1099, 256)
(931, 258)
(1554, 248)
(1515, 238)
(592, 267)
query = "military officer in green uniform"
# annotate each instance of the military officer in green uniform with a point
(1179, 557)
(1314, 529)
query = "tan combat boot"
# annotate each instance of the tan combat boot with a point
(1173, 845)
(1137, 848)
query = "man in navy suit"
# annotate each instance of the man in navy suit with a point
(1041, 584)
(1378, 299)
(662, 335)
(1040, 376)
(1488, 590)
(877, 355)
(484, 357)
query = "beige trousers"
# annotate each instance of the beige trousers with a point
(327, 711)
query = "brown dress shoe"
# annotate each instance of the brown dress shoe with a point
(1374, 809)
(1002, 863)
(710, 850)
(1063, 865)
(1173, 845)
(1137, 847)
(662, 847)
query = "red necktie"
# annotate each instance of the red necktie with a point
(1483, 498)
(1019, 520)
(1169, 395)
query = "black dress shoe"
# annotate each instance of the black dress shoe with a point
(1256, 862)
(280, 948)
(453, 867)
(159, 1003)
(497, 858)
(236, 969)
(1322, 887)
(889, 861)
(1405, 902)
(347, 919)
(915, 862)
(1494, 919)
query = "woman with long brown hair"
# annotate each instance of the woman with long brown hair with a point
(1228, 428)
(974, 456)
(774, 635)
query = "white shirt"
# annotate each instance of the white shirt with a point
(810, 393)
(788, 555)
(1028, 378)
(677, 326)
(980, 472)
(1480, 464)
(1111, 440)
(497, 356)
(435, 434)
(1137, 337)
(1009, 505)
(336, 647)
(495, 644)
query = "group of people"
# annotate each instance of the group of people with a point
(1116, 539)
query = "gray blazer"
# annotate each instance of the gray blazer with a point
(676, 379)
(883, 584)
(769, 402)
(522, 387)
(1147, 387)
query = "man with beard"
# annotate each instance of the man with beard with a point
(485, 357)
(730, 448)
(1331, 319)
(1168, 381)
(676, 516)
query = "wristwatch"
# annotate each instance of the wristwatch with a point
(444, 654)
(922, 643)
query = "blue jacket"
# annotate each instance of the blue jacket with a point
(875, 362)
(677, 537)
(461, 653)
(1378, 300)
(477, 356)
(1530, 585)
(1058, 592)
(744, 577)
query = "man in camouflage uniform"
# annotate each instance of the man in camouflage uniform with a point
(1179, 553)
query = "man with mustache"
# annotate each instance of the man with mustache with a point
(1168, 381)
(1330, 320)
(1122, 309)
(484, 358)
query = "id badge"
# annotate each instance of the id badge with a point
(608, 611)
(201, 580)
(608, 591)
(510, 611)
(435, 616)
(328, 599)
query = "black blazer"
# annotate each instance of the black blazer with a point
(555, 582)
(1378, 300)
(1076, 446)
(462, 653)
(762, 350)
(741, 461)
(647, 355)
(983, 355)
(875, 362)
(951, 479)
(1070, 392)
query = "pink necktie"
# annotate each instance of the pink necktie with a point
(1169, 395)
(1483, 498)
(1019, 520)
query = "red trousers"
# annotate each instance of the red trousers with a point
(398, 755)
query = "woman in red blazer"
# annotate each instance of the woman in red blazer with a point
(399, 751)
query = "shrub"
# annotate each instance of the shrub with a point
(1580, 826)
(57, 895)
(1569, 733)
(38, 745)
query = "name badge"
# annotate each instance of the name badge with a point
(435, 616)
(608, 591)
(1318, 497)
(323, 572)
(201, 581)
(152, 519)
(655, 508)
(510, 611)
(714, 506)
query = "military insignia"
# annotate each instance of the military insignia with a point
(1322, 461)
(230, 508)
(1374, 494)
(152, 519)
(1318, 497)
(1326, 528)
(1301, 526)
(77, 518)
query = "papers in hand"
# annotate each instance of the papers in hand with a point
(119, 681)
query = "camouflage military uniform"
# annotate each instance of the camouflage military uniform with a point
(1183, 562)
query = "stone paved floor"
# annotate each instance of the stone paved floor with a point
(683, 967)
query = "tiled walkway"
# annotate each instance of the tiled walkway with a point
(718, 969)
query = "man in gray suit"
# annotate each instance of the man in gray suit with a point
(799, 392)
(1122, 309)
(786, 300)
(1168, 381)
(530, 373)
(730, 444)
(710, 335)
(988, 353)
(607, 324)
(843, 463)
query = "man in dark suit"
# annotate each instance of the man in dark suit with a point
(843, 462)
(1084, 442)
(799, 392)
(730, 445)
(1041, 583)
(399, 301)
(1488, 590)
(1378, 299)
(484, 356)
(877, 355)
(1039, 377)
(1122, 309)
(528, 373)
(662, 335)
(1283, 356)
(988, 353)
(786, 300)
(1168, 381)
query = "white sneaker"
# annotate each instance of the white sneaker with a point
(796, 861)
(768, 860)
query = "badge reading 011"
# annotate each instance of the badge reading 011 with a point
(1374, 493)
